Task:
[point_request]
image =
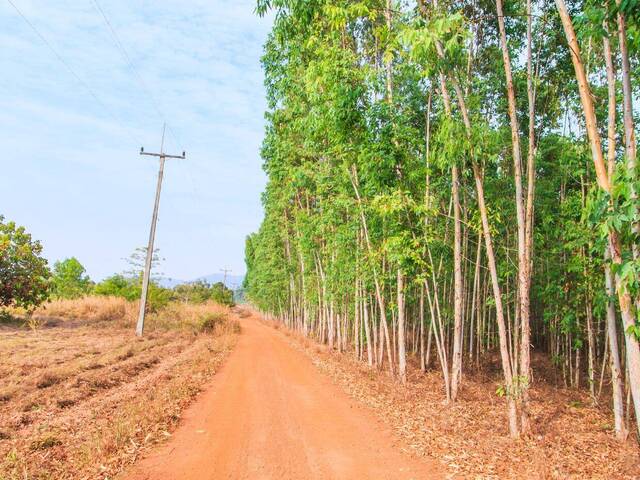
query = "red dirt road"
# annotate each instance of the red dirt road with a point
(269, 414)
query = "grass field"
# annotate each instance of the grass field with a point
(81, 396)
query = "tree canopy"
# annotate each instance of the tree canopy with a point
(70, 279)
(435, 183)
(24, 274)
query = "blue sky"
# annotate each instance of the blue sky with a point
(71, 172)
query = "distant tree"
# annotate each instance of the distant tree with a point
(221, 294)
(24, 274)
(194, 292)
(70, 279)
(137, 260)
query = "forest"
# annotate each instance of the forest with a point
(453, 183)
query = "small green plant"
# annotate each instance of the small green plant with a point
(519, 384)
(44, 442)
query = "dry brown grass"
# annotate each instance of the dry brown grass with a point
(82, 397)
(194, 317)
(118, 312)
(91, 309)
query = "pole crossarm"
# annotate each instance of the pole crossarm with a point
(152, 154)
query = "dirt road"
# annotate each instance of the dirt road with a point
(269, 414)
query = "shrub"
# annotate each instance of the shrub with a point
(209, 321)
(118, 286)
(195, 318)
(195, 292)
(24, 275)
(130, 288)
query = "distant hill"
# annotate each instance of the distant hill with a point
(233, 281)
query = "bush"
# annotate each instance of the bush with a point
(118, 286)
(24, 275)
(157, 297)
(207, 317)
(209, 321)
(130, 289)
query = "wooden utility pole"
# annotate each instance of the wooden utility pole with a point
(152, 234)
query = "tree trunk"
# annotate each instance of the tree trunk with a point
(523, 283)
(624, 298)
(456, 364)
(612, 333)
(402, 361)
(379, 296)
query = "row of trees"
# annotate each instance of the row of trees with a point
(26, 280)
(450, 179)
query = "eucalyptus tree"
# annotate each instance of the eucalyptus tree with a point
(430, 188)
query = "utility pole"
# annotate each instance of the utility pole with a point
(152, 234)
(225, 270)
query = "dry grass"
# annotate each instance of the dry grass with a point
(81, 397)
(118, 312)
(91, 309)
(571, 439)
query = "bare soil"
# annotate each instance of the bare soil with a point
(269, 414)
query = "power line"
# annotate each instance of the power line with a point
(123, 51)
(73, 73)
(140, 79)
(119, 44)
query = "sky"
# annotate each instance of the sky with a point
(71, 170)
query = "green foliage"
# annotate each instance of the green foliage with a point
(24, 275)
(221, 294)
(69, 279)
(354, 195)
(131, 288)
(119, 286)
(200, 292)
(195, 292)
(128, 285)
